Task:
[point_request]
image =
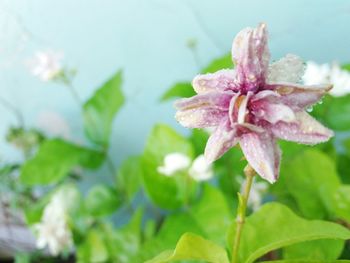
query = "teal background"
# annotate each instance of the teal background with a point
(147, 39)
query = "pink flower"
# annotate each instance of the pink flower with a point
(254, 105)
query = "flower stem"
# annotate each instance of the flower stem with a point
(241, 210)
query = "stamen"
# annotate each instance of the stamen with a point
(243, 108)
(232, 107)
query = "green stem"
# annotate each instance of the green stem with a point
(241, 210)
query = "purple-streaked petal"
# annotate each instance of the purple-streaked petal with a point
(272, 112)
(288, 69)
(265, 94)
(305, 129)
(262, 153)
(203, 110)
(299, 96)
(221, 140)
(251, 55)
(221, 80)
(215, 100)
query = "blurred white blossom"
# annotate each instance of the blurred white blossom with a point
(53, 230)
(256, 194)
(199, 169)
(53, 124)
(174, 162)
(328, 73)
(46, 65)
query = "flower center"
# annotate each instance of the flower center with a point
(238, 108)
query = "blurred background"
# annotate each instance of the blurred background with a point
(156, 43)
(149, 40)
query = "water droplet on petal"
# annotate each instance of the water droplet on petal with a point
(309, 109)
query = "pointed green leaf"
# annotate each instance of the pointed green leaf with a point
(100, 109)
(275, 226)
(223, 62)
(55, 159)
(179, 90)
(193, 247)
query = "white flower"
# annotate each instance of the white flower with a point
(316, 74)
(322, 74)
(257, 191)
(201, 170)
(53, 230)
(54, 124)
(174, 162)
(46, 65)
(341, 81)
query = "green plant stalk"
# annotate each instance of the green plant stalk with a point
(241, 210)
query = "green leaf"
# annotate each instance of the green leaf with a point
(212, 214)
(55, 159)
(346, 67)
(94, 249)
(124, 242)
(22, 258)
(199, 139)
(167, 237)
(307, 261)
(193, 247)
(341, 203)
(100, 109)
(311, 178)
(210, 218)
(102, 200)
(334, 112)
(163, 190)
(323, 249)
(275, 226)
(228, 170)
(223, 62)
(179, 90)
(129, 177)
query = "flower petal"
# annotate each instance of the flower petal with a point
(251, 56)
(221, 80)
(272, 112)
(203, 110)
(304, 130)
(299, 96)
(222, 139)
(262, 153)
(288, 69)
